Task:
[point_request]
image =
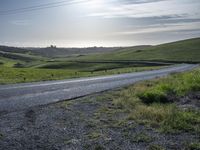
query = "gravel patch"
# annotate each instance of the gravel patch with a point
(85, 123)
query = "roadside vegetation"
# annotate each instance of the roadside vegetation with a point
(174, 86)
(158, 103)
(168, 119)
(20, 75)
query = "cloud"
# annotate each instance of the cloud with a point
(139, 1)
(150, 8)
(184, 27)
(20, 22)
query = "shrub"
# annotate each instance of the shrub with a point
(157, 94)
(18, 65)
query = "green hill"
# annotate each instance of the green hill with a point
(12, 58)
(181, 51)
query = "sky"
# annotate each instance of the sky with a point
(87, 23)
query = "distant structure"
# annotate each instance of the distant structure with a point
(53, 46)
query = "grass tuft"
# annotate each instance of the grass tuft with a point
(155, 147)
(94, 135)
(180, 120)
(194, 146)
(167, 89)
(142, 137)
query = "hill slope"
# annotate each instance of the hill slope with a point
(52, 52)
(181, 51)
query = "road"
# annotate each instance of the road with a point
(21, 96)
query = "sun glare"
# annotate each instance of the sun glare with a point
(96, 3)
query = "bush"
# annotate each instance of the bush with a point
(18, 65)
(159, 94)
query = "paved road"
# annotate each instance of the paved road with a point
(21, 96)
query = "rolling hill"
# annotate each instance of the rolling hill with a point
(54, 52)
(181, 51)
(52, 57)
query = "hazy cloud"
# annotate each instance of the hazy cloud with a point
(162, 28)
(139, 1)
(20, 22)
(143, 8)
(100, 22)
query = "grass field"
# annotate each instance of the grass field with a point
(21, 75)
(181, 51)
(19, 71)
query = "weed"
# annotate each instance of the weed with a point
(1, 135)
(94, 135)
(155, 147)
(142, 137)
(194, 146)
(179, 120)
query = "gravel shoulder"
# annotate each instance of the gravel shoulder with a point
(90, 123)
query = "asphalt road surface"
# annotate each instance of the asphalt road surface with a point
(21, 96)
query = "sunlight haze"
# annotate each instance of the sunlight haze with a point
(85, 23)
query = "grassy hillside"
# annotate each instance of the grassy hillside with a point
(14, 49)
(20, 75)
(19, 65)
(186, 50)
(53, 52)
(11, 59)
(16, 67)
